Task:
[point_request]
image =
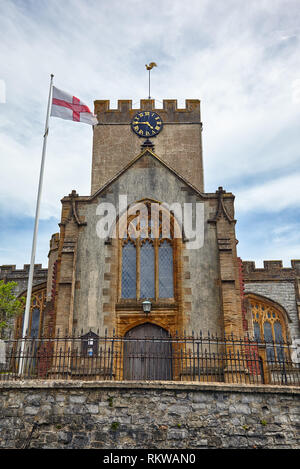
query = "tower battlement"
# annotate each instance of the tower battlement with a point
(11, 269)
(272, 269)
(170, 113)
(178, 144)
(9, 273)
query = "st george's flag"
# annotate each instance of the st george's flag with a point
(66, 106)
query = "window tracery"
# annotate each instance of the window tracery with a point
(269, 326)
(37, 306)
(147, 255)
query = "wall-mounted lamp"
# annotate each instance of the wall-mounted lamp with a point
(146, 306)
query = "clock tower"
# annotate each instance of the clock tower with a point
(175, 133)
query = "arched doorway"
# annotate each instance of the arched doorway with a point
(147, 353)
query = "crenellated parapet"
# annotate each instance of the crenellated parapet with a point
(170, 113)
(264, 281)
(9, 273)
(178, 144)
(272, 270)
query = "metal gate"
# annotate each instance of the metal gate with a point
(149, 358)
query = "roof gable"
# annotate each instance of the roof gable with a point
(146, 153)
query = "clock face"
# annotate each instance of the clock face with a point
(146, 124)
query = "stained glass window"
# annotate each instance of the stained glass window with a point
(278, 340)
(165, 270)
(256, 331)
(147, 269)
(269, 339)
(129, 271)
(35, 322)
(150, 254)
(269, 326)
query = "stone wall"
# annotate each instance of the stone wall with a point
(158, 415)
(279, 284)
(9, 273)
(284, 294)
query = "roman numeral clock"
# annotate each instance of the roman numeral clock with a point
(146, 124)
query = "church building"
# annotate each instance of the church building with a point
(148, 252)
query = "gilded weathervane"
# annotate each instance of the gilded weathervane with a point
(149, 67)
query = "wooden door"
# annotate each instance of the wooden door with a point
(147, 353)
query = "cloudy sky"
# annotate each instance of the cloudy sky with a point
(240, 58)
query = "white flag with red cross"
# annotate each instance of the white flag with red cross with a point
(66, 106)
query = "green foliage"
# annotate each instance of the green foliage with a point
(115, 426)
(110, 401)
(10, 305)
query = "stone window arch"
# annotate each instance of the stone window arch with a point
(36, 314)
(269, 326)
(148, 250)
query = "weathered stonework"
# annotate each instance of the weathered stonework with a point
(9, 273)
(279, 284)
(207, 279)
(178, 144)
(132, 415)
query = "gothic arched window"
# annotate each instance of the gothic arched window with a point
(269, 327)
(147, 260)
(37, 306)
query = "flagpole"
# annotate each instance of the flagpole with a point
(36, 224)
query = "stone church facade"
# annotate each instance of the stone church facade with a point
(99, 283)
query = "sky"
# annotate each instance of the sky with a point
(241, 59)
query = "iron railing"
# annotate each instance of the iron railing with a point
(180, 358)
